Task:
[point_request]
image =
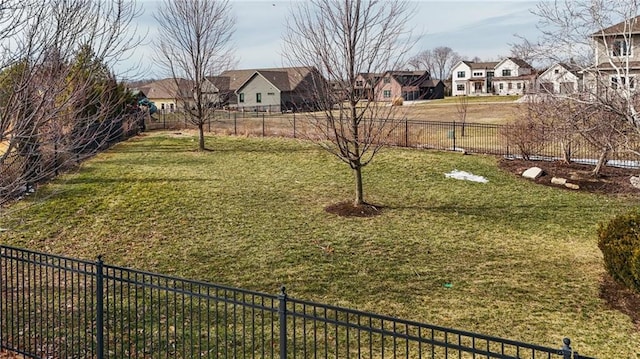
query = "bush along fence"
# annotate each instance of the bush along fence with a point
(479, 138)
(58, 307)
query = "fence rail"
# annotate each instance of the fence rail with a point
(457, 136)
(58, 307)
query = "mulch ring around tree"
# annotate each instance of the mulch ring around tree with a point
(349, 209)
(611, 181)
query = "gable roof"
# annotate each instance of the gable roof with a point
(519, 62)
(490, 65)
(572, 69)
(408, 78)
(288, 78)
(168, 88)
(220, 82)
(628, 26)
(279, 79)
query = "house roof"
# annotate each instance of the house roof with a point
(571, 68)
(285, 79)
(482, 65)
(629, 26)
(222, 83)
(168, 88)
(409, 78)
(607, 66)
(519, 62)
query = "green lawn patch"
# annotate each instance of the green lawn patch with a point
(507, 258)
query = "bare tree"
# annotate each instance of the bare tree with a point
(343, 39)
(462, 108)
(423, 61)
(194, 43)
(60, 101)
(437, 61)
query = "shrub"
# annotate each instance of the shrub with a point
(619, 241)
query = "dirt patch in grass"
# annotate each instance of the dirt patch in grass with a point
(348, 209)
(612, 180)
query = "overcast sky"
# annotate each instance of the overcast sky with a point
(482, 28)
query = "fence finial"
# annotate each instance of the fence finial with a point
(566, 348)
(283, 291)
(99, 257)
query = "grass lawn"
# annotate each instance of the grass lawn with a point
(521, 259)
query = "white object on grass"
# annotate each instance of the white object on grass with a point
(466, 176)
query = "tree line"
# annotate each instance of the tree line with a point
(60, 100)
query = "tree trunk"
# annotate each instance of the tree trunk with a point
(201, 136)
(602, 160)
(359, 192)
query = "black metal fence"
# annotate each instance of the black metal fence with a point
(451, 136)
(57, 307)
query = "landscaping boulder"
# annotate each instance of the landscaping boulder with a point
(559, 181)
(532, 173)
(635, 181)
(572, 185)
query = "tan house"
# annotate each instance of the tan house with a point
(275, 89)
(166, 93)
(616, 57)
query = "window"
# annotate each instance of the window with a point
(386, 93)
(519, 85)
(501, 86)
(461, 74)
(258, 97)
(387, 80)
(506, 72)
(359, 83)
(271, 93)
(556, 71)
(620, 48)
(509, 86)
(460, 87)
(241, 99)
(171, 107)
(477, 74)
(623, 81)
(490, 74)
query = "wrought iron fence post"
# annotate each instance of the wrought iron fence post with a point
(566, 348)
(99, 308)
(282, 315)
(406, 132)
(262, 124)
(294, 125)
(235, 124)
(454, 135)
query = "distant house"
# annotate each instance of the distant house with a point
(408, 85)
(365, 83)
(275, 89)
(511, 76)
(169, 94)
(472, 78)
(560, 78)
(617, 57)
